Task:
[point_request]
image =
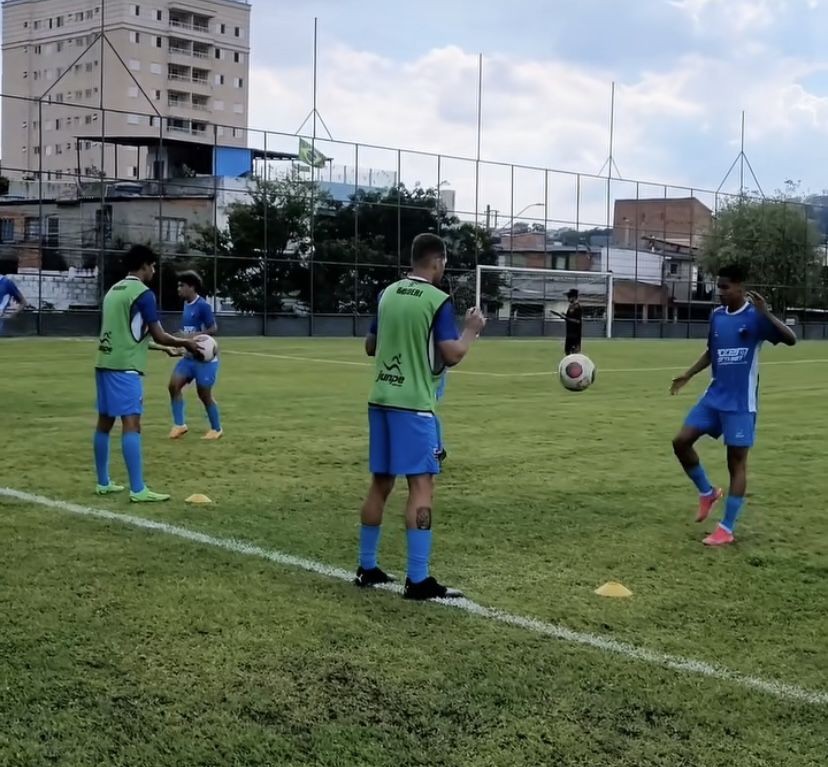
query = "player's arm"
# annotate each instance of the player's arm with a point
(453, 348)
(168, 350)
(371, 339)
(702, 363)
(20, 302)
(208, 320)
(783, 331)
(148, 308)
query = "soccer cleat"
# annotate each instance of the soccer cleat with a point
(213, 434)
(373, 577)
(707, 502)
(147, 496)
(719, 537)
(177, 432)
(109, 489)
(429, 589)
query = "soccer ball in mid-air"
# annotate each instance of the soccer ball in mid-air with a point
(577, 372)
(207, 346)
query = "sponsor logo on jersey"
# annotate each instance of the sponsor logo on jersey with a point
(733, 356)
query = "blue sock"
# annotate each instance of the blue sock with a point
(700, 479)
(213, 415)
(419, 552)
(101, 443)
(131, 447)
(369, 536)
(733, 506)
(178, 411)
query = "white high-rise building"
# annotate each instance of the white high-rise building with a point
(172, 76)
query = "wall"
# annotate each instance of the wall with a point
(60, 289)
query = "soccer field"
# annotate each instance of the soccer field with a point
(125, 643)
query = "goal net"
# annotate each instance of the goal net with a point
(512, 292)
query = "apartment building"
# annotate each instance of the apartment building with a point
(172, 76)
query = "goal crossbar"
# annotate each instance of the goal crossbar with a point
(564, 273)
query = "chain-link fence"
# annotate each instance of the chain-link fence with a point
(295, 235)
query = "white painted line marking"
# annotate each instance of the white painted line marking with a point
(532, 374)
(595, 641)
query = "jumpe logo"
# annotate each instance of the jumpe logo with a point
(392, 374)
(734, 356)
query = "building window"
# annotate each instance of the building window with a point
(31, 228)
(172, 229)
(133, 92)
(59, 47)
(136, 10)
(38, 49)
(134, 119)
(218, 106)
(135, 37)
(159, 42)
(57, 124)
(222, 29)
(132, 171)
(159, 16)
(157, 94)
(236, 57)
(220, 130)
(59, 21)
(238, 82)
(218, 53)
(135, 65)
(238, 31)
(238, 109)
(6, 230)
(219, 79)
(155, 68)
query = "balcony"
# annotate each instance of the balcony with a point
(201, 106)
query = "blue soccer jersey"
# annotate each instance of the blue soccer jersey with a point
(198, 316)
(734, 341)
(8, 293)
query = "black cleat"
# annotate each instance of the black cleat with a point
(373, 577)
(429, 589)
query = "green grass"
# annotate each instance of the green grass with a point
(126, 647)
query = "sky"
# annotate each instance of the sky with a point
(405, 75)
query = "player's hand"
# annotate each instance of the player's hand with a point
(173, 352)
(679, 382)
(475, 321)
(191, 346)
(758, 300)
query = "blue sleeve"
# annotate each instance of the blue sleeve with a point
(768, 331)
(445, 328)
(148, 307)
(374, 324)
(208, 319)
(15, 293)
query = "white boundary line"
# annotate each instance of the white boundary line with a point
(490, 374)
(604, 644)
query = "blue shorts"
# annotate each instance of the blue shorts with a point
(737, 428)
(119, 393)
(203, 373)
(402, 442)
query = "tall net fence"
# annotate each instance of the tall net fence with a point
(295, 235)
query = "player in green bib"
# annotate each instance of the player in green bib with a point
(130, 318)
(415, 340)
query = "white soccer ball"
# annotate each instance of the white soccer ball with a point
(208, 347)
(577, 372)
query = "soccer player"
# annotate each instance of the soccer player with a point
(130, 317)
(9, 294)
(415, 339)
(728, 407)
(198, 319)
(572, 318)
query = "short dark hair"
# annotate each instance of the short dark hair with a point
(139, 256)
(572, 293)
(425, 246)
(190, 278)
(733, 272)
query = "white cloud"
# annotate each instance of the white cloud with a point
(547, 113)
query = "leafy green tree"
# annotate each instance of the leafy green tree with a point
(774, 240)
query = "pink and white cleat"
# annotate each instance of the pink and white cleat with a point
(707, 502)
(719, 537)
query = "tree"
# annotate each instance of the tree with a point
(773, 239)
(364, 244)
(262, 254)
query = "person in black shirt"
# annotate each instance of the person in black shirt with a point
(573, 316)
